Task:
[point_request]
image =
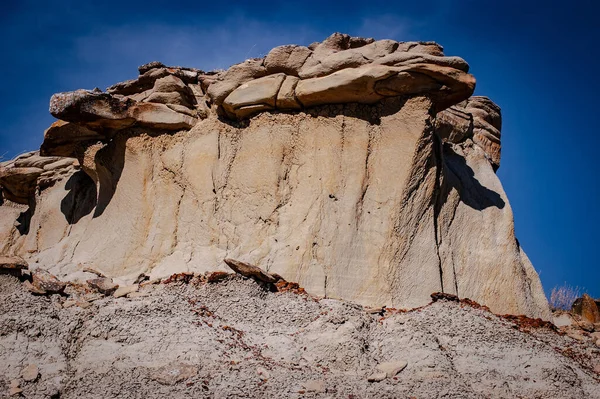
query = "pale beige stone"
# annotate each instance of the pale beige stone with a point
(257, 94)
(286, 97)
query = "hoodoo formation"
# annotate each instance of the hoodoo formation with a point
(362, 169)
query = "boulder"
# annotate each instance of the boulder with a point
(18, 184)
(287, 59)
(42, 280)
(371, 83)
(586, 308)
(66, 139)
(234, 77)
(254, 96)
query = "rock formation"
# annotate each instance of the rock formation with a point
(361, 169)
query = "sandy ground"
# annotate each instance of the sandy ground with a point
(236, 339)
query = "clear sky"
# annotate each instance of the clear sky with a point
(536, 59)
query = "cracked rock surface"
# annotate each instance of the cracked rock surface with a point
(235, 338)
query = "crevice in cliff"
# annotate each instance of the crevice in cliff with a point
(438, 201)
(365, 181)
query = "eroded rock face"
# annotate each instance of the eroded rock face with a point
(361, 169)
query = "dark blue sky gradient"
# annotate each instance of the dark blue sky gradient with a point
(536, 59)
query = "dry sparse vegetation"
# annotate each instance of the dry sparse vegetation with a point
(563, 296)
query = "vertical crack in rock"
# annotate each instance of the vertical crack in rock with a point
(438, 200)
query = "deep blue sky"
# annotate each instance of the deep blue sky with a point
(537, 60)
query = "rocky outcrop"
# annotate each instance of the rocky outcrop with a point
(362, 169)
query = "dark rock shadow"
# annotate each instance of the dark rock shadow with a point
(460, 176)
(371, 113)
(23, 222)
(81, 198)
(110, 162)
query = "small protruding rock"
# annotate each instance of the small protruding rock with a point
(103, 285)
(377, 377)
(392, 368)
(151, 65)
(174, 373)
(31, 288)
(14, 391)
(30, 373)
(12, 265)
(45, 281)
(563, 320)
(125, 290)
(248, 270)
(263, 372)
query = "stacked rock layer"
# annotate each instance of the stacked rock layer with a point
(362, 169)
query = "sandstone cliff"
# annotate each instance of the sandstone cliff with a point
(361, 169)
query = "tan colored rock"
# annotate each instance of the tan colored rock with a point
(377, 377)
(248, 270)
(352, 198)
(587, 309)
(30, 373)
(286, 97)
(12, 262)
(235, 77)
(287, 59)
(478, 118)
(350, 58)
(19, 184)
(173, 373)
(169, 84)
(169, 98)
(159, 116)
(103, 285)
(401, 59)
(126, 290)
(254, 96)
(62, 138)
(371, 83)
(392, 368)
(14, 391)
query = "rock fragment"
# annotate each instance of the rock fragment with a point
(173, 373)
(125, 290)
(43, 280)
(248, 270)
(377, 377)
(103, 285)
(392, 368)
(12, 265)
(30, 373)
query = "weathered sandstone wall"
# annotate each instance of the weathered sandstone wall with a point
(370, 178)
